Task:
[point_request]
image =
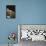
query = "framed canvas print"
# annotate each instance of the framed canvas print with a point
(10, 11)
(32, 32)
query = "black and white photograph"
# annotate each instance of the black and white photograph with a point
(31, 34)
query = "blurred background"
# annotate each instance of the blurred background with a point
(27, 12)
